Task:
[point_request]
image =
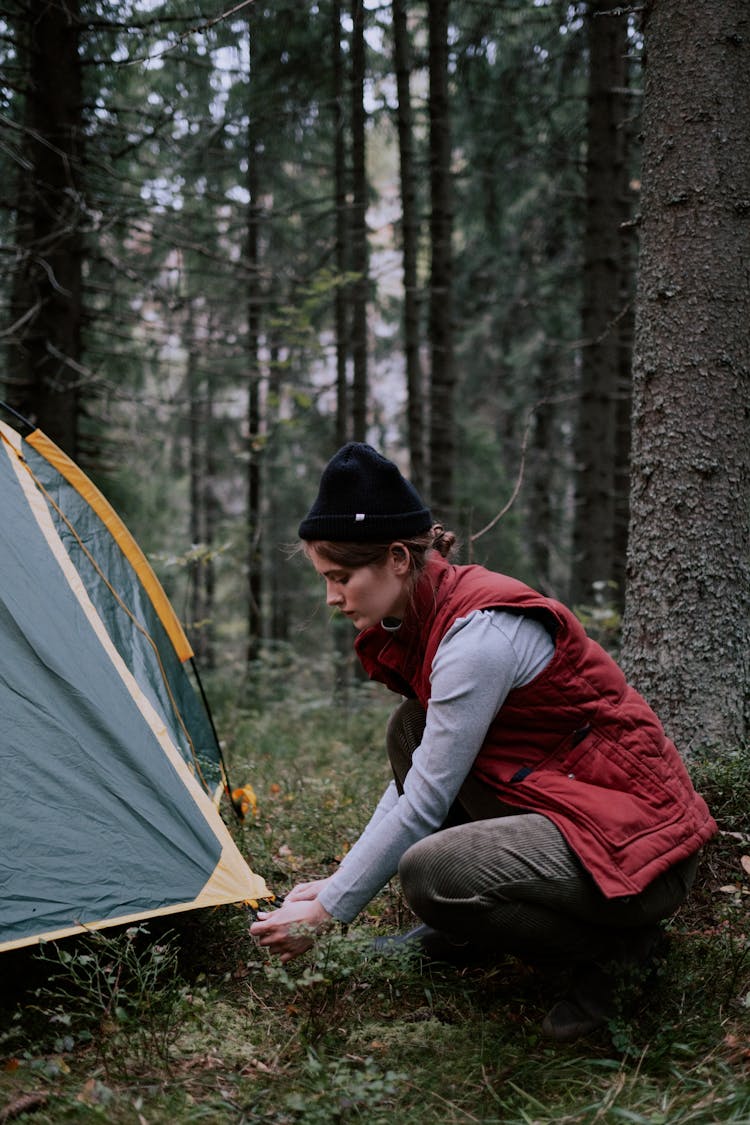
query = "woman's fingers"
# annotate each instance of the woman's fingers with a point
(289, 931)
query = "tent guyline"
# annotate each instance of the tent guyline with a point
(111, 763)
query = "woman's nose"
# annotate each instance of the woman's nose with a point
(333, 596)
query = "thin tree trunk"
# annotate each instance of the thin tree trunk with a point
(442, 385)
(358, 233)
(541, 522)
(605, 303)
(687, 621)
(339, 201)
(254, 298)
(409, 242)
(46, 301)
(279, 576)
(209, 504)
(195, 472)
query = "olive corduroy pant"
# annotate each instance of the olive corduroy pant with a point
(508, 882)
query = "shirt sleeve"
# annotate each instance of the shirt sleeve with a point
(481, 658)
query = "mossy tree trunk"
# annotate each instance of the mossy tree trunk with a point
(687, 620)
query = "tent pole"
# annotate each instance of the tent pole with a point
(17, 416)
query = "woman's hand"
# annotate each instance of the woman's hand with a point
(289, 931)
(306, 890)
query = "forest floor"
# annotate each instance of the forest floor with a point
(187, 1020)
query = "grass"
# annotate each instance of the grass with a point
(188, 1020)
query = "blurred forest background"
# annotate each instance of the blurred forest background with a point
(234, 237)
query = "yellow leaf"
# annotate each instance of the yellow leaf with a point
(244, 800)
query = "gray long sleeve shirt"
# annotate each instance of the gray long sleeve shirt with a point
(481, 658)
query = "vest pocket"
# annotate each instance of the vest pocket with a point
(556, 759)
(605, 787)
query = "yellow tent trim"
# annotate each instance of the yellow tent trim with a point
(232, 878)
(232, 881)
(125, 541)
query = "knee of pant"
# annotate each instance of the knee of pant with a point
(406, 724)
(425, 879)
(403, 735)
(413, 887)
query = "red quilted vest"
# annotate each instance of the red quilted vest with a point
(577, 744)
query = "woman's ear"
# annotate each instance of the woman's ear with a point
(400, 557)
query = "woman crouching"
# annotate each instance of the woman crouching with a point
(537, 806)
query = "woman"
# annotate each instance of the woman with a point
(537, 807)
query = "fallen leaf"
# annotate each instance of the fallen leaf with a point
(745, 864)
(245, 801)
(94, 1092)
(739, 1048)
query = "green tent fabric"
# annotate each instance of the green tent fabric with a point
(108, 758)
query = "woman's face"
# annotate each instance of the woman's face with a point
(367, 594)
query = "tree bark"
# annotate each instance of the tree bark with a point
(46, 299)
(409, 247)
(210, 506)
(203, 502)
(254, 302)
(687, 625)
(606, 298)
(358, 231)
(339, 202)
(195, 473)
(442, 382)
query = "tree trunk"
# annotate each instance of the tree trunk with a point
(442, 423)
(196, 470)
(280, 578)
(46, 300)
(254, 300)
(210, 506)
(202, 517)
(339, 202)
(687, 625)
(409, 243)
(606, 298)
(358, 232)
(541, 522)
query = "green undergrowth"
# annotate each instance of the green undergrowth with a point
(186, 1019)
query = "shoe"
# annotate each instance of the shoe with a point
(433, 945)
(574, 1017)
(598, 993)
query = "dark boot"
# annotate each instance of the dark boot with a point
(433, 945)
(589, 1004)
(599, 992)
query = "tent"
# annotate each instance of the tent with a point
(110, 769)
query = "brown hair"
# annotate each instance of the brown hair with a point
(354, 555)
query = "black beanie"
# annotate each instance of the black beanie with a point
(363, 498)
